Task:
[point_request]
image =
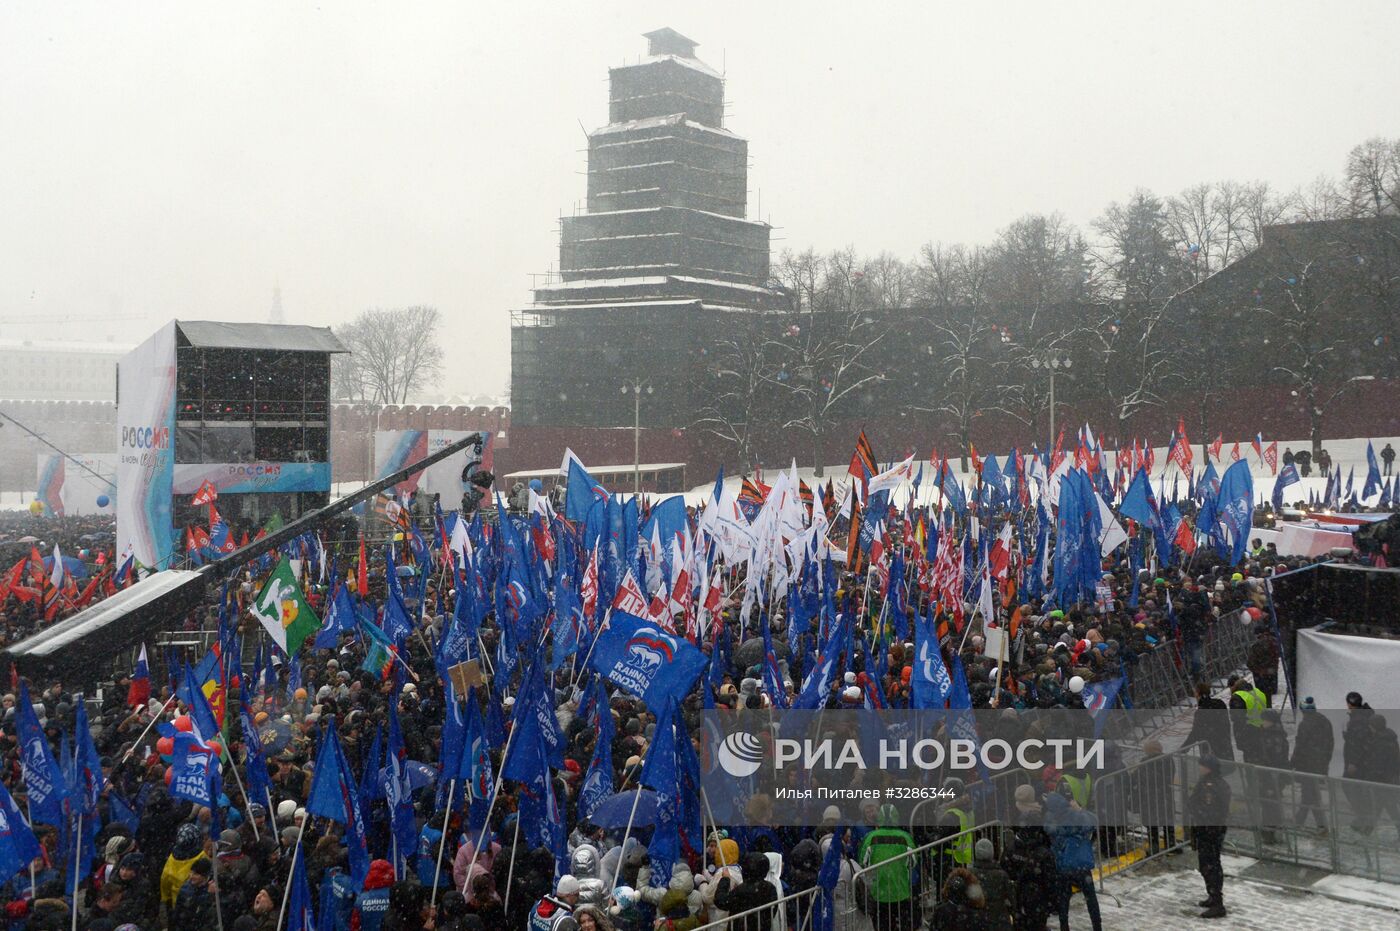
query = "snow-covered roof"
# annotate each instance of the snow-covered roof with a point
(656, 122)
(221, 334)
(708, 213)
(694, 64)
(645, 280)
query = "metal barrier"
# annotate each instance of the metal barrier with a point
(924, 868)
(793, 912)
(1226, 645)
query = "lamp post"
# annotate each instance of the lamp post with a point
(636, 389)
(1052, 364)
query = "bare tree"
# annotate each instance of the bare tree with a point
(1373, 177)
(739, 403)
(825, 354)
(395, 354)
(1321, 200)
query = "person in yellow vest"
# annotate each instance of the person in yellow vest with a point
(1247, 706)
(956, 821)
(1080, 785)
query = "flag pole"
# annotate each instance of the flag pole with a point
(218, 911)
(510, 871)
(132, 749)
(636, 799)
(287, 893)
(77, 858)
(233, 765)
(442, 842)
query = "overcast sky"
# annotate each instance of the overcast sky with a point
(180, 159)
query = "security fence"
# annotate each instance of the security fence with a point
(792, 912)
(902, 891)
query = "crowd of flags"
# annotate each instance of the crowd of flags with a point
(621, 593)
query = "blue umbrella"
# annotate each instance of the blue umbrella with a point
(613, 811)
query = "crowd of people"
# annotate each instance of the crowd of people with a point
(164, 862)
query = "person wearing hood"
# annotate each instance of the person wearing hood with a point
(891, 894)
(585, 865)
(188, 849)
(999, 892)
(962, 906)
(1071, 831)
(555, 911)
(1030, 863)
(372, 904)
(1312, 755)
(466, 866)
(723, 873)
(1356, 750)
(754, 892)
(238, 876)
(1383, 768)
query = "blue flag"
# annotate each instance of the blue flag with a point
(1234, 513)
(255, 763)
(474, 767)
(824, 911)
(536, 726)
(1099, 698)
(1373, 472)
(334, 794)
(661, 773)
(192, 694)
(1288, 475)
(193, 771)
(598, 782)
(929, 681)
(816, 688)
(18, 845)
(644, 660)
(340, 619)
(42, 778)
(1139, 504)
(300, 903)
(582, 490)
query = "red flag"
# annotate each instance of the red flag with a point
(1058, 454)
(1185, 538)
(1180, 453)
(862, 461)
(205, 494)
(1235, 452)
(1215, 447)
(972, 454)
(362, 573)
(1271, 456)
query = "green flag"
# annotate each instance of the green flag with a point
(283, 610)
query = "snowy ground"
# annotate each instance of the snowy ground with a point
(1258, 895)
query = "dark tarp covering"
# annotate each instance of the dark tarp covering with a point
(1339, 593)
(214, 334)
(78, 646)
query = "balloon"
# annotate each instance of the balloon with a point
(103, 501)
(36, 507)
(1076, 684)
(183, 723)
(216, 747)
(1254, 613)
(165, 745)
(169, 774)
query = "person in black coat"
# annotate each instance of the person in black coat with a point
(1356, 749)
(754, 892)
(1031, 865)
(1271, 751)
(1208, 809)
(1211, 725)
(1312, 755)
(194, 905)
(1382, 766)
(1152, 794)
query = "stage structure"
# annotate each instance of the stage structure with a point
(243, 407)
